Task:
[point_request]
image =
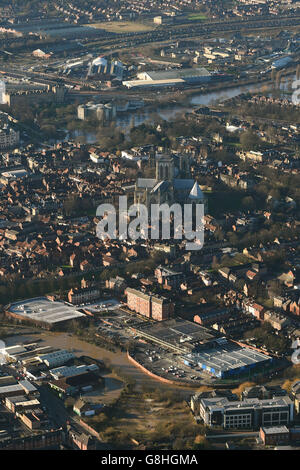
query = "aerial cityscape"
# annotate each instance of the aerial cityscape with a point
(149, 227)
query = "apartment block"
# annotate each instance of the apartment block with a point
(151, 306)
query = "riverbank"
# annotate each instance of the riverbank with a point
(179, 97)
(168, 106)
(117, 360)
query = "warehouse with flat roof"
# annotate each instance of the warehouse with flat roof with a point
(174, 77)
(153, 83)
(188, 75)
(43, 312)
(227, 359)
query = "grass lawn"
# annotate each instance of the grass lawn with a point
(123, 26)
(197, 17)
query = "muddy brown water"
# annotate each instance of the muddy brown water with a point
(117, 359)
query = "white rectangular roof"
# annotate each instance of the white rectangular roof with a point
(45, 310)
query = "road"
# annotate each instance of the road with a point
(59, 416)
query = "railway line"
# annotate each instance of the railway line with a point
(183, 31)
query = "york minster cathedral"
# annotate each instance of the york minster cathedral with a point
(172, 183)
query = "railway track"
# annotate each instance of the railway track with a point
(181, 31)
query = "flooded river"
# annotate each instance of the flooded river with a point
(117, 359)
(126, 121)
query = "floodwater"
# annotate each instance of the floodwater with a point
(126, 121)
(201, 99)
(117, 359)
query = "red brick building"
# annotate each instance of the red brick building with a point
(151, 306)
(274, 435)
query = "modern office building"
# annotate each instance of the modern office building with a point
(251, 413)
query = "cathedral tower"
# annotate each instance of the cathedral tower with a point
(164, 168)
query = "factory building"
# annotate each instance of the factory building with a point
(274, 435)
(65, 371)
(190, 75)
(103, 66)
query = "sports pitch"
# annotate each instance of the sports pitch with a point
(123, 26)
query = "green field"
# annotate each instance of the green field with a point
(197, 17)
(123, 26)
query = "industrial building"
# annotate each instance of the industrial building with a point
(190, 75)
(75, 383)
(40, 441)
(11, 390)
(12, 352)
(18, 403)
(56, 358)
(274, 435)
(103, 66)
(43, 312)
(65, 371)
(167, 78)
(24, 387)
(224, 359)
(178, 82)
